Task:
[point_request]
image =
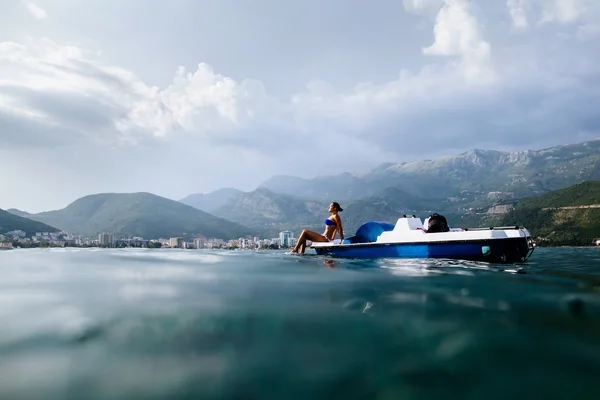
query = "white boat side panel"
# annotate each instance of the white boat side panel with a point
(421, 236)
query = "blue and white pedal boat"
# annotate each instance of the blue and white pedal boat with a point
(408, 239)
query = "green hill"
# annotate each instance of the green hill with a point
(270, 212)
(552, 222)
(139, 214)
(10, 222)
(585, 193)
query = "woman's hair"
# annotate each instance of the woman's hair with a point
(337, 206)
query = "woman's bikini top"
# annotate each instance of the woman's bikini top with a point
(330, 222)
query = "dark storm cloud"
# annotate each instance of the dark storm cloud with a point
(507, 117)
(63, 117)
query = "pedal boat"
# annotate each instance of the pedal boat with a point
(408, 239)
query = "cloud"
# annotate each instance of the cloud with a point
(517, 13)
(457, 33)
(565, 11)
(588, 31)
(59, 94)
(36, 12)
(208, 104)
(73, 112)
(419, 5)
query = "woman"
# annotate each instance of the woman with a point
(333, 226)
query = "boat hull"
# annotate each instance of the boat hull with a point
(506, 250)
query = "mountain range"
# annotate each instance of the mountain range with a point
(463, 187)
(270, 212)
(137, 214)
(470, 175)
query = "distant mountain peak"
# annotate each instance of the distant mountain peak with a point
(380, 168)
(209, 202)
(18, 212)
(477, 170)
(263, 190)
(10, 221)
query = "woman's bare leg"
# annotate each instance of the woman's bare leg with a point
(301, 240)
(308, 235)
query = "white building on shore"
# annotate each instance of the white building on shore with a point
(284, 238)
(106, 239)
(175, 242)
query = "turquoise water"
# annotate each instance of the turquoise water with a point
(178, 324)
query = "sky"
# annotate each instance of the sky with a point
(186, 96)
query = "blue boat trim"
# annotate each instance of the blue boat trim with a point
(509, 250)
(420, 242)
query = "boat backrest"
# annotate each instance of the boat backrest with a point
(408, 223)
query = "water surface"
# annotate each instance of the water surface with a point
(178, 324)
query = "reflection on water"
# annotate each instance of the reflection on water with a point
(176, 324)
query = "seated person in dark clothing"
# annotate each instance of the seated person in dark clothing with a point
(437, 223)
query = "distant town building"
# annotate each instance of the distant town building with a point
(217, 242)
(16, 234)
(106, 239)
(200, 243)
(132, 242)
(61, 239)
(284, 238)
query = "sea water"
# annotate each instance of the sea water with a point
(202, 324)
